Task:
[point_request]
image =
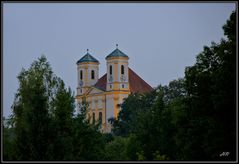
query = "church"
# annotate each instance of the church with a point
(104, 95)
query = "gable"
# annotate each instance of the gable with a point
(94, 90)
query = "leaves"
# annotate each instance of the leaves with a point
(43, 124)
(193, 118)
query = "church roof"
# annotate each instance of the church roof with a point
(101, 83)
(116, 53)
(87, 58)
(136, 83)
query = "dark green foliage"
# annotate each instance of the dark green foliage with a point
(117, 149)
(61, 141)
(133, 148)
(8, 138)
(88, 140)
(124, 125)
(193, 118)
(30, 112)
(43, 126)
(211, 84)
(230, 28)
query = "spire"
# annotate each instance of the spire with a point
(116, 53)
(87, 58)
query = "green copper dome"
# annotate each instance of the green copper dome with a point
(116, 53)
(87, 58)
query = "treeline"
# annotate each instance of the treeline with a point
(192, 118)
(43, 126)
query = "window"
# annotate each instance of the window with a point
(92, 74)
(122, 69)
(100, 117)
(81, 75)
(93, 118)
(110, 86)
(110, 69)
(122, 85)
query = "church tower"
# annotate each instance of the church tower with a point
(117, 71)
(88, 73)
(117, 84)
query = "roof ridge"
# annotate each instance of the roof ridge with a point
(140, 78)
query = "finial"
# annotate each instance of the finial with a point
(87, 50)
(117, 46)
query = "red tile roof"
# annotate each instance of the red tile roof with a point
(136, 83)
(101, 83)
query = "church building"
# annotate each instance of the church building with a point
(104, 95)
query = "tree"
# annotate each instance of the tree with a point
(89, 143)
(211, 86)
(117, 149)
(62, 108)
(43, 125)
(193, 118)
(30, 111)
(42, 115)
(8, 137)
(126, 118)
(146, 122)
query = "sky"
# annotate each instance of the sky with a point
(161, 39)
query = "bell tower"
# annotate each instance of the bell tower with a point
(117, 71)
(88, 73)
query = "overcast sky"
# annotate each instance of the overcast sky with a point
(161, 39)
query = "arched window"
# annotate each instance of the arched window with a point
(81, 75)
(92, 74)
(110, 69)
(122, 69)
(93, 118)
(100, 117)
